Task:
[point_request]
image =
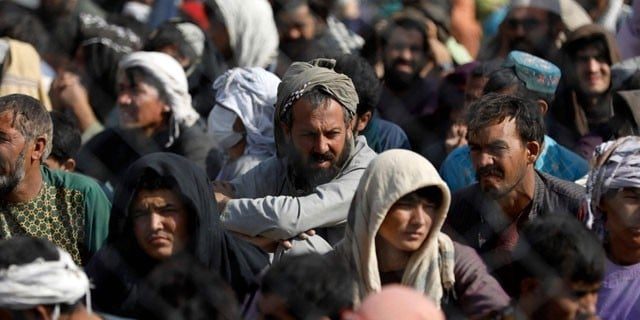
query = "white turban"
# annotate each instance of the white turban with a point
(43, 282)
(171, 76)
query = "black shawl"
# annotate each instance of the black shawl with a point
(236, 261)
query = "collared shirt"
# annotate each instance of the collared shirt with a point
(457, 169)
(478, 221)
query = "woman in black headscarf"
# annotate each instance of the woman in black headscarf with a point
(117, 269)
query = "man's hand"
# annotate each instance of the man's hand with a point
(303, 236)
(68, 92)
(223, 192)
(456, 137)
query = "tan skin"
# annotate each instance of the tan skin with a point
(44, 313)
(622, 211)
(10, 146)
(315, 129)
(499, 145)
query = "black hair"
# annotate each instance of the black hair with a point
(506, 78)
(409, 19)
(364, 80)
(168, 34)
(432, 194)
(66, 137)
(182, 288)
(598, 41)
(29, 117)
(559, 246)
(21, 250)
(494, 108)
(312, 286)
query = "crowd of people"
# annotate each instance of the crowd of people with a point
(319, 159)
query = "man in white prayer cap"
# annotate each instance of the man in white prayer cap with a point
(38, 280)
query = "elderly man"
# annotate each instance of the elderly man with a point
(505, 140)
(40, 281)
(584, 106)
(66, 208)
(527, 77)
(310, 183)
(155, 115)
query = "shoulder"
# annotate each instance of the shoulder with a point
(562, 188)
(70, 180)
(362, 154)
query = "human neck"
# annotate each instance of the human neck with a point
(390, 258)
(28, 188)
(518, 199)
(621, 254)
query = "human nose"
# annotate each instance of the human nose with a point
(321, 145)
(155, 221)
(483, 159)
(294, 33)
(124, 98)
(593, 64)
(406, 53)
(588, 303)
(418, 215)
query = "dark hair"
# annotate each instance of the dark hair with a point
(432, 194)
(317, 98)
(168, 34)
(66, 137)
(364, 80)
(494, 108)
(598, 41)
(30, 118)
(506, 78)
(149, 78)
(181, 288)
(409, 19)
(21, 250)
(559, 246)
(312, 286)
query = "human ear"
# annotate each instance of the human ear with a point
(533, 151)
(39, 145)
(69, 165)
(362, 121)
(543, 105)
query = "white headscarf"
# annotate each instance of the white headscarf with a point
(43, 282)
(389, 177)
(615, 165)
(250, 93)
(171, 76)
(253, 35)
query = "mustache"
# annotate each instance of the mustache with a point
(489, 170)
(319, 157)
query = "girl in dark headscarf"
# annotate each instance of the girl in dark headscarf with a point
(118, 268)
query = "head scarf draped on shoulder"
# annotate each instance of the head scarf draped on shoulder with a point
(303, 77)
(236, 261)
(389, 177)
(615, 165)
(171, 76)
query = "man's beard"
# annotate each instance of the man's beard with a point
(398, 80)
(541, 49)
(307, 177)
(11, 180)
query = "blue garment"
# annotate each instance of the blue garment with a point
(384, 135)
(457, 169)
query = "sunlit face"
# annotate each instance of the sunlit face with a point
(13, 147)
(160, 223)
(500, 157)
(408, 222)
(404, 56)
(140, 104)
(622, 210)
(593, 70)
(319, 140)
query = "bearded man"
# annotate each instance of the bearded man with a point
(68, 209)
(310, 182)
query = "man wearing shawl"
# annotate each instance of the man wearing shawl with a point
(164, 208)
(40, 281)
(155, 115)
(310, 182)
(613, 200)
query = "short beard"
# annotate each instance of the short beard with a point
(10, 181)
(307, 178)
(399, 81)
